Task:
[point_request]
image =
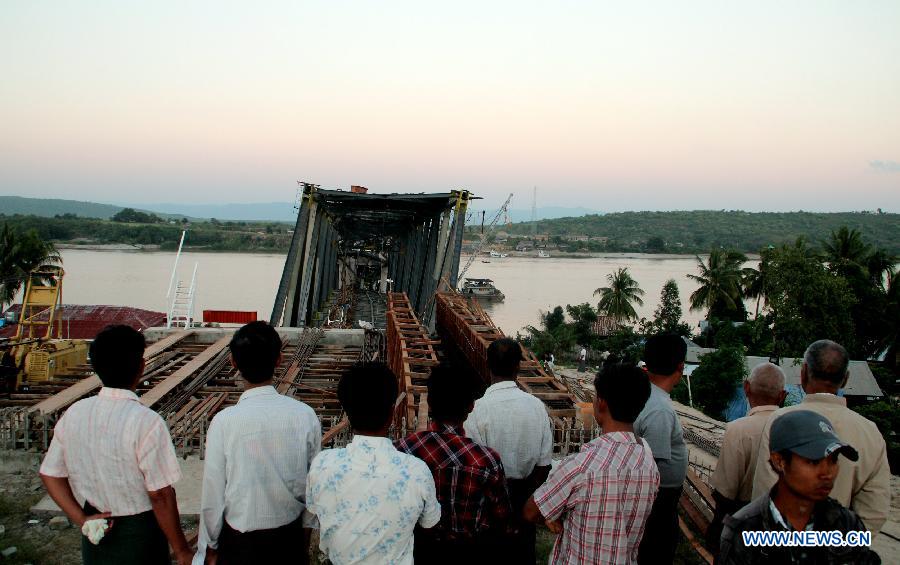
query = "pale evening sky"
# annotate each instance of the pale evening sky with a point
(765, 105)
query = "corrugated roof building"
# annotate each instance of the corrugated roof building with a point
(84, 321)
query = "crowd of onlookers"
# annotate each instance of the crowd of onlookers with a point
(472, 487)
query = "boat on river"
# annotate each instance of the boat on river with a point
(482, 289)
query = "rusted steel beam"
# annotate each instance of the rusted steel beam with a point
(167, 385)
(410, 355)
(472, 331)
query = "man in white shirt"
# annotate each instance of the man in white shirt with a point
(258, 454)
(515, 424)
(369, 497)
(117, 455)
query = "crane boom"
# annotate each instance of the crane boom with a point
(484, 235)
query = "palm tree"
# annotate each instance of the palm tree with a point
(846, 252)
(881, 265)
(20, 254)
(616, 299)
(753, 284)
(720, 281)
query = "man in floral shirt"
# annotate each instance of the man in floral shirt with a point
(369, 497)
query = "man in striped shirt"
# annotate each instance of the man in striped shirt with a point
(598, 500)
(257, 457)
(117, 455)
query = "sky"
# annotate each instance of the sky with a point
(764, 105)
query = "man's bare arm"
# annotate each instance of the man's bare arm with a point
(61, 492)
(532, 513)
(165, 508)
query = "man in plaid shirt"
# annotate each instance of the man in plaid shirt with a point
(598, 500)
(471, 485)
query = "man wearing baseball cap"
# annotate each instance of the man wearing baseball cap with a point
(804, 454)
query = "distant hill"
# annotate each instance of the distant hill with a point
(244, 212)
(699, 230)
(524, 215)
(49, 207)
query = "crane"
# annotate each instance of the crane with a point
(484, 235)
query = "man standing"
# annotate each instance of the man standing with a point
(659, 425)
(582, 359)
(804, 455)
(515, 424)
(469, 479)
(600, 497)
(257, 456)
(369, 497)
(863, 485)
(117, 455)
(732, 481)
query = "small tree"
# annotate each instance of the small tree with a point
(715, 381)
(583, 317)
(624, 346)
(656, 244)
(667, 317)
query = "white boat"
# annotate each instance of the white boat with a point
(498, 255)
(542, 253)
(482, 289)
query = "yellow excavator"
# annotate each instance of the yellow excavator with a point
(33, 355)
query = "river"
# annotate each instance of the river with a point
(246, 281)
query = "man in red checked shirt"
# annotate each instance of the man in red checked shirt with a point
(469, 478)
(598, 500)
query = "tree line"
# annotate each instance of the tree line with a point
(697, 231)
(139, 228)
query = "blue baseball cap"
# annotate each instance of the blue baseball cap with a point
(809, 435)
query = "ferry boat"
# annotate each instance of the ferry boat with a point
(482, 289)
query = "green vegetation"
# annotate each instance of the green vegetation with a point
(138, 228)
(616, 299)
(667, 317)
(714, 381)
(132, 216)
(720, 291)
(49, 207)
(846, 290)
(698, 231)
(886, 415)
(20, 253)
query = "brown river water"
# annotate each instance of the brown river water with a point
(247, 281)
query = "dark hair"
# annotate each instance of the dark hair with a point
(449, 394)
(255, 349)
(504, 357)
(367, 393)
(625, 388)
(663, 353)
(826, 361)
(116, 355)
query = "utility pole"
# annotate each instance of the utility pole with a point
(534, 214)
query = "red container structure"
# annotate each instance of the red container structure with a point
(228, 316)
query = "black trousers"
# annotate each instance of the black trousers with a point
(134, 539)
(661, 534)
(519, 547)
(286, 544)
(480, 550)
